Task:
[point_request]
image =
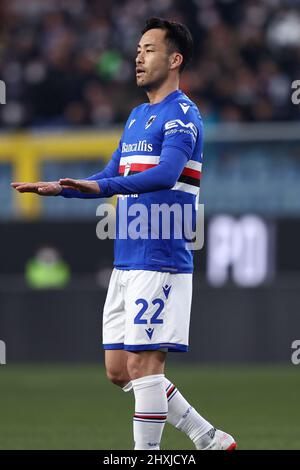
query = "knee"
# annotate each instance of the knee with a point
(116, 377)
(145, 363)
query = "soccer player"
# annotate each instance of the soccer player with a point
(147, 309)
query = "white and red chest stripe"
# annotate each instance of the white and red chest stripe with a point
(188, 181)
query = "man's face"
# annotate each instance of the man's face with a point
(152, 61)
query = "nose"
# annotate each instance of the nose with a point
(139, 58)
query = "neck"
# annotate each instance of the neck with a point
(156, 95)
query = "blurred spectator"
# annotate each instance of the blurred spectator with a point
(46, 269)
(71, 63)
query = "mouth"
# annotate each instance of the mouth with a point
(139, 72)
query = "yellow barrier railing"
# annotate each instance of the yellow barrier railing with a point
(26, 152)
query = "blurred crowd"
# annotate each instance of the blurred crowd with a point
(70, 63)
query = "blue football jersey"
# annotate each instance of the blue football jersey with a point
(170, 125)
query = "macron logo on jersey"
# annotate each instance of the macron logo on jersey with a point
(184, 107)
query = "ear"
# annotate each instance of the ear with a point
(176, 60)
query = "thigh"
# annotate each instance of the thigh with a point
(157, 308)
(113, 329)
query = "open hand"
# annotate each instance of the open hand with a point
(44, 188)
(83, 186)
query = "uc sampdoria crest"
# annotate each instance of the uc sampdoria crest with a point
(149, 122)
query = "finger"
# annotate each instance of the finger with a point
(23, 189)
(28, 186)
(14, 184)
(69, 182)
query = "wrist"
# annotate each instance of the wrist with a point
(59, 190)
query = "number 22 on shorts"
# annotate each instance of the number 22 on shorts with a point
(138, 320)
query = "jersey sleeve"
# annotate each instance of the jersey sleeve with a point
(163, 176)
(181, 128)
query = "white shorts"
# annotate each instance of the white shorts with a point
(147, 310)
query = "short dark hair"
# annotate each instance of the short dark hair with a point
(178, 37)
